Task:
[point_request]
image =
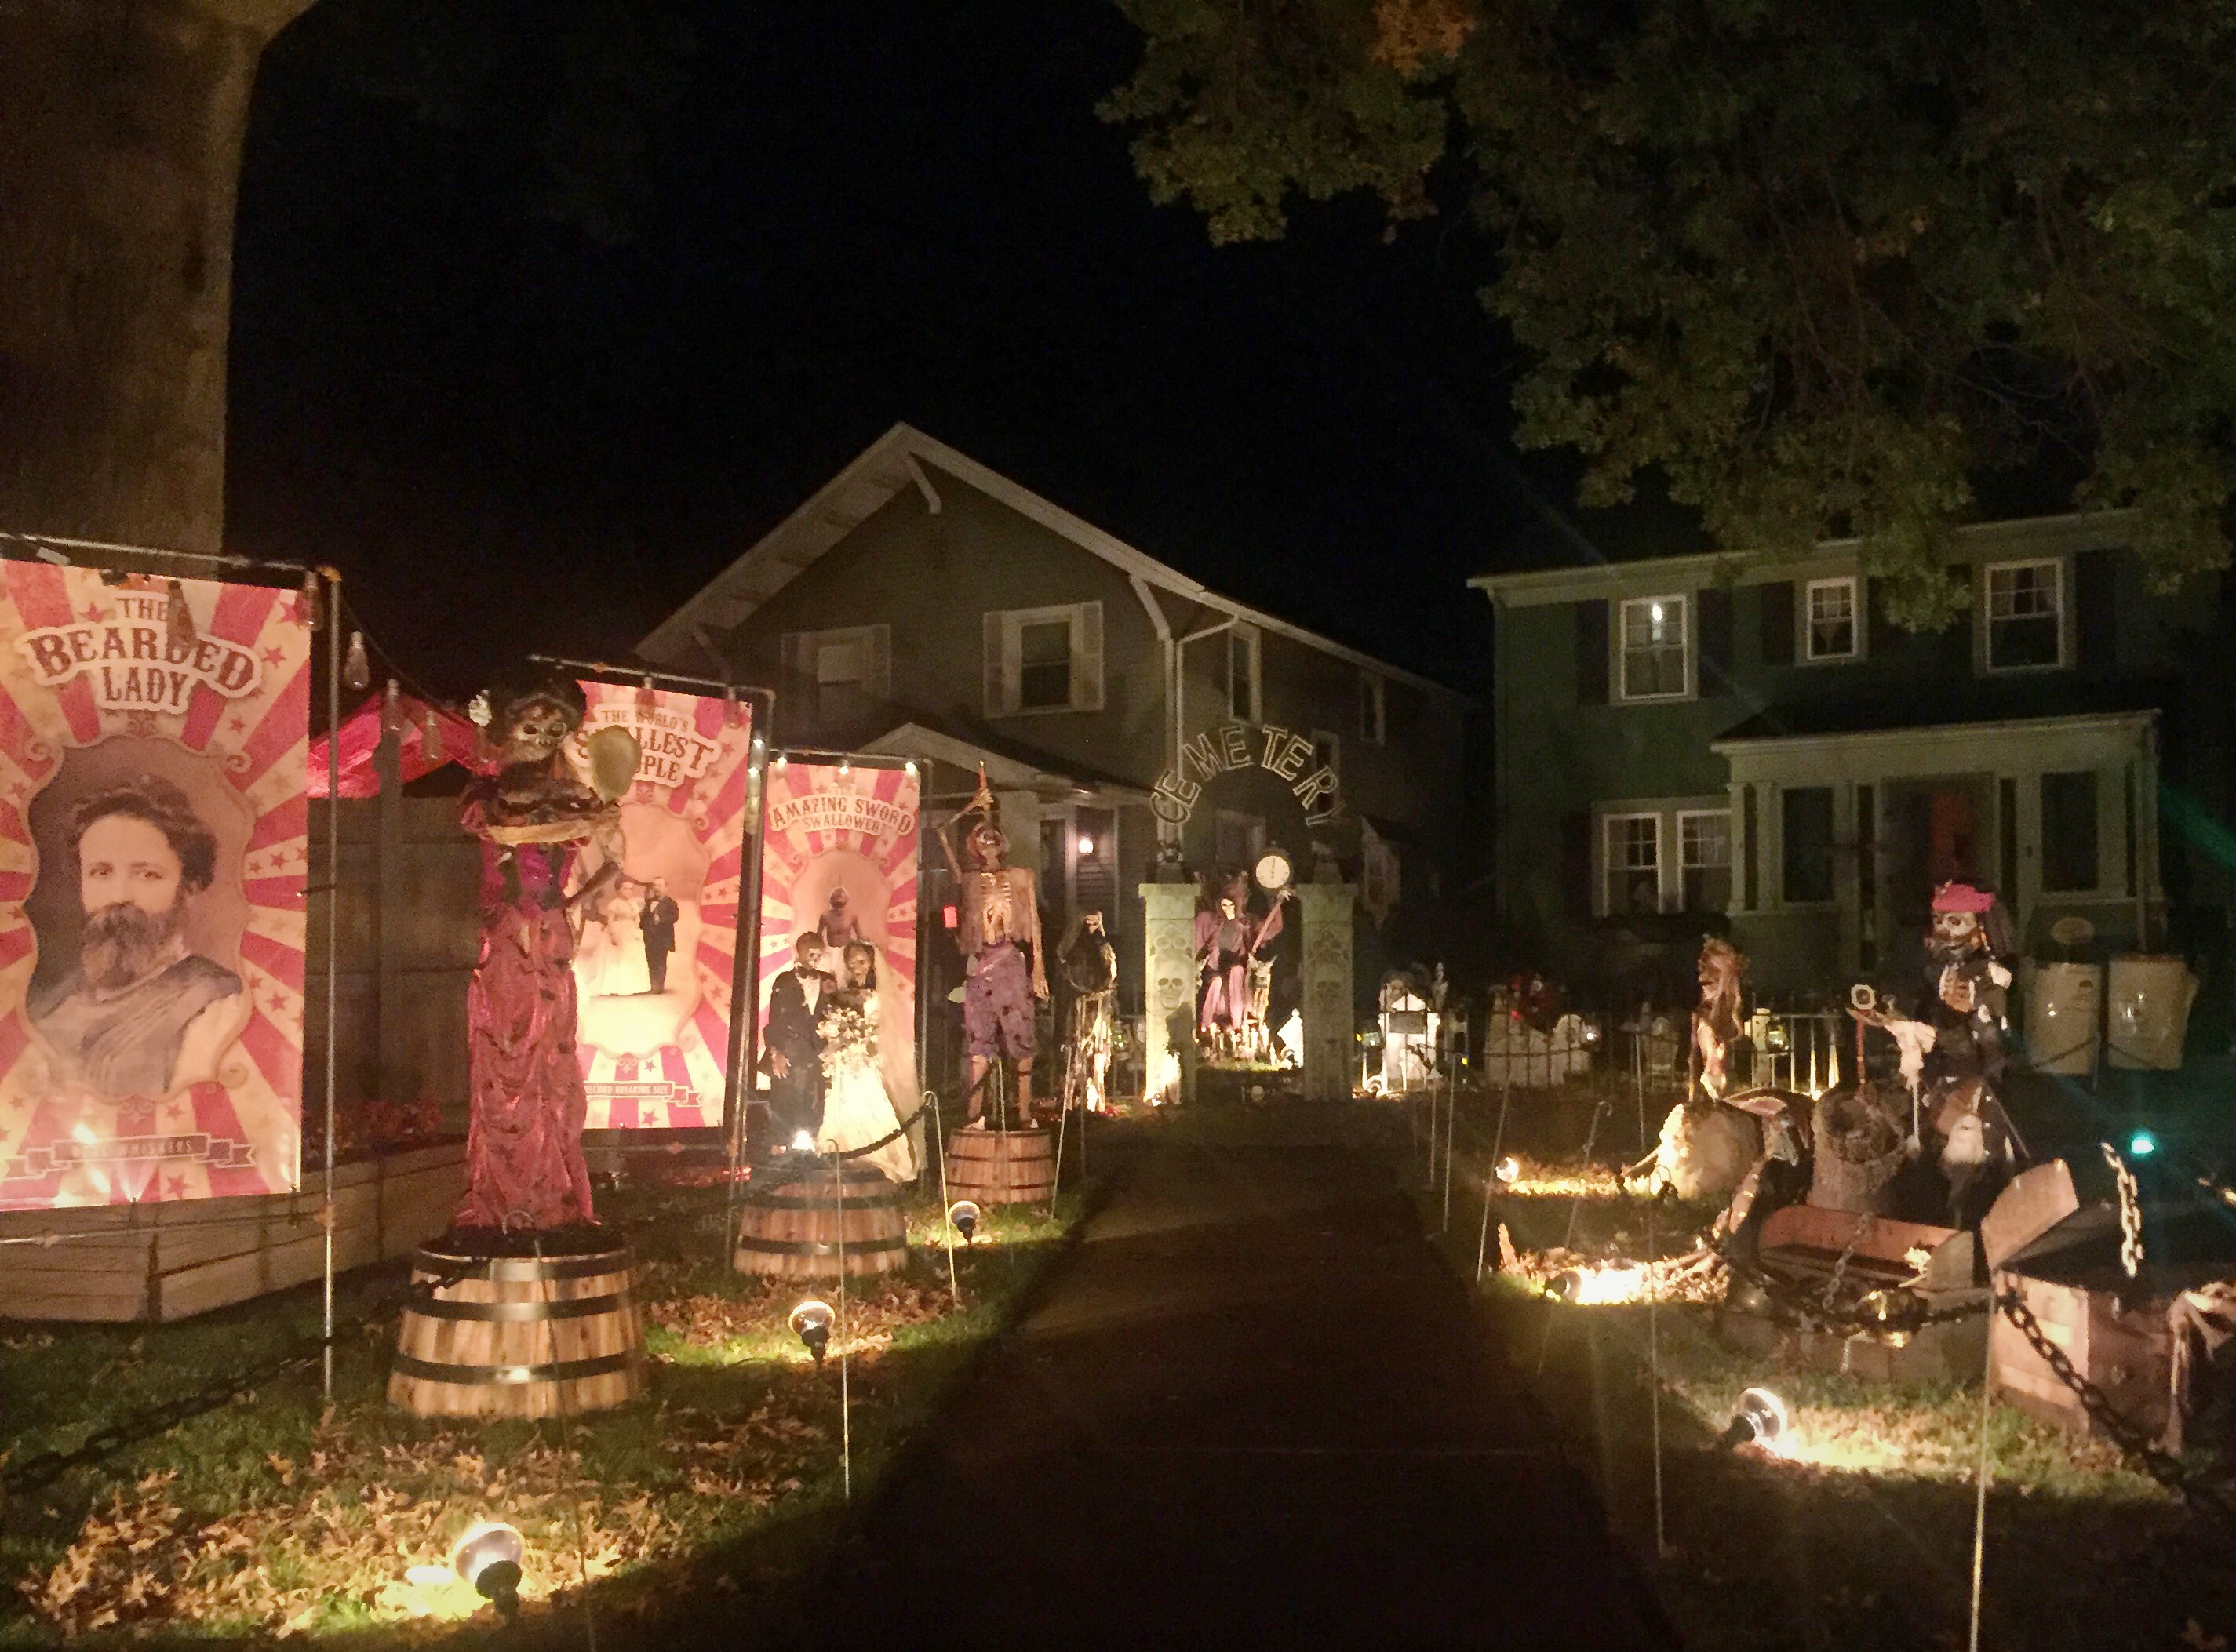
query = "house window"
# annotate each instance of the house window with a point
(1655, 648)
(2069, 833)
(1704, 857)
(1808, 859)
(1044, 659)
(1634, 864)
(1373, 709)
(1243, 703)
(2026, 615)
(841, 675)
(1832, 631)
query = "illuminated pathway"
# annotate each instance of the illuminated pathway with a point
(1253, 1409)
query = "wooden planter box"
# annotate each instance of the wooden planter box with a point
(169, 1261)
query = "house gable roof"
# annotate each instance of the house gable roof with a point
(2026, 536)
(897, 460)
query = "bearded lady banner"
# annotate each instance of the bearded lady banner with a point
(153, 858)
(838, 903)
(655, 967)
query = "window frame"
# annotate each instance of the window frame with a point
(1618, 662)
(1373, 708)
(1729, 864)
(1005, 628)
(1807, 619)
(2061, 583)
(804, 652)
(1608, 820)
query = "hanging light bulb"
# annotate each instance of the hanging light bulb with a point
(648, 697)
(311, 604)
(810, 1323)
(431, 735)
(1761, 1419)
(178, 622)
(392, 710)
(357, 671)
(910, 769)
(846, 768)
(779, 761)
(489, 1556)
(965, 1215)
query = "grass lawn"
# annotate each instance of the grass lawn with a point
(276, 1514)
(1860, 1536)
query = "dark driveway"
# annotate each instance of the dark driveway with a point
(1252, 1408)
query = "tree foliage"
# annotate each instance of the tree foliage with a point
(1825, 268)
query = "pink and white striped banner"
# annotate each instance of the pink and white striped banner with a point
(657, 963)
(852, 830)
(153, 859)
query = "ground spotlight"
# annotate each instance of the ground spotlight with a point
(965, 1215)
(1566, 1286)
(489, 1556)
(1760, 1419)
(802, 1141)
(810, 1323)
(2142, 1144)
(1508, 1171)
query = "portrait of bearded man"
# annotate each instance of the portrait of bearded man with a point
(139, 1012)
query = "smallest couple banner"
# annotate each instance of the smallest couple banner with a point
(839, 859)
(656, 964)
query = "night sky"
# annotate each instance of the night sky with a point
(511, 435)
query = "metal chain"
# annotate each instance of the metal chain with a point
(1847, 1254)
(2131, 1211)
(2133, 1440)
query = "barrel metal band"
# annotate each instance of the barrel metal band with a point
(813, 1248)
(514, 1268)
(823, 1198)
(560, 1371)
(567, 1308)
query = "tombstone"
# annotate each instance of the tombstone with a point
(1168, 993)
(1328, 1038)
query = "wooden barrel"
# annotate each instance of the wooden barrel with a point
(1001, 1166)
(518, 1336)
(789, 1225)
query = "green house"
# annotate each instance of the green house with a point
(1687, 743)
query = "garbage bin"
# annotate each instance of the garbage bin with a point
(2062, 1025)
(2148, 1011)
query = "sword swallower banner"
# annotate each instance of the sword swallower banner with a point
(657, 961)
(153, 859)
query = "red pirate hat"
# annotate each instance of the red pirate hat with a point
(1962, 897)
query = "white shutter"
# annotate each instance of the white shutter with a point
(992, 643)
(1087, 658)
(878, 675)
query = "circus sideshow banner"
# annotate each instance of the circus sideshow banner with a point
(153, 858)
(657, 960)
(839, 858)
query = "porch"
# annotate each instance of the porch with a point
(1839, 838)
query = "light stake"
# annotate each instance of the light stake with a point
(810, 1323)
(489, 1556)
(1761, 1419)
(965, 1215)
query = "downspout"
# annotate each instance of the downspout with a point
(1164, 629)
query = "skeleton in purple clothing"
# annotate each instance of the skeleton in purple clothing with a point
(998, 926)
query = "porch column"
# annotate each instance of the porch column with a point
(1168, 993)
(1329, 1045)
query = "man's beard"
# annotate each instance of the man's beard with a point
(123, 942)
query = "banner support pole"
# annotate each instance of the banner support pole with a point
(333, 932)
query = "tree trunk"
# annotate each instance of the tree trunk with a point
(119, 163)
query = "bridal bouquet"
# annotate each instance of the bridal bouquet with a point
(849, 1036)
